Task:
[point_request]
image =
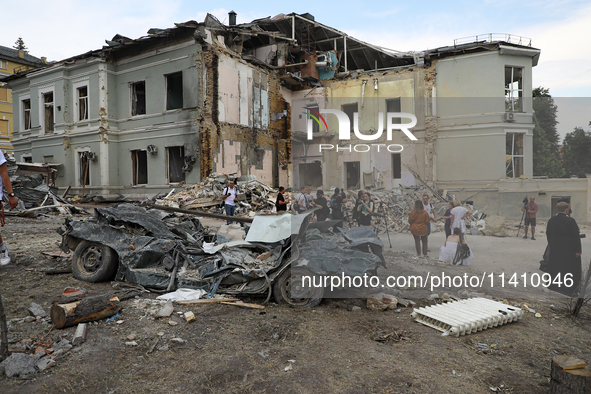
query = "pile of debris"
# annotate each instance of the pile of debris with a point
(252, 196)
(392, 207)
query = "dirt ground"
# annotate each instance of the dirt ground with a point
(332, 348)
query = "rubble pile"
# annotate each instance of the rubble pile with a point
(394, 206)
(252, 196)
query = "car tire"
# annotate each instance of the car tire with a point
(93, 262)
(292, 279)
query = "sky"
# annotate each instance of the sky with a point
(560, 28)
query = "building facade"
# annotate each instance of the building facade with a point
(11, 61)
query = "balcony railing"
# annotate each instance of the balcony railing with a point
(492, 37)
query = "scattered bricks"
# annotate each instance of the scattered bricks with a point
(45, 363)
(189, 317)
(40, 349)
(406, 303)
(36, 310)
(79, 335)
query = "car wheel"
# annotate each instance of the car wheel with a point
(288, 289)
(93, 262)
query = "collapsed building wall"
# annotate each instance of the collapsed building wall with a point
(244, 125)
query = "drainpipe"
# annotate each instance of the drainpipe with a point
(293, 27)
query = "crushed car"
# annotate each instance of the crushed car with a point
(164, 252)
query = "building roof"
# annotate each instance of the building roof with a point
(13, 54)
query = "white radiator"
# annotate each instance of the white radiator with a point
(467, 316)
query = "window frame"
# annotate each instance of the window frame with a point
(166, 82)
(22, 112)
(168, 163)
(132, 91)
(510, 90)
(76, 98)
(42, 106)
(515, 157)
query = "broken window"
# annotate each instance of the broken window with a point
(257, 158)
(315, 125)
(396, 166)
(84, 161)
(82, 93)
(174, 91)
(27, 159)
(350, 109)
(139, 159)
(353, 175)
(48, 114)
(176, 161)
(514, 158)
(513, 89)
(394, 105)
(138, 98)
(27, 114)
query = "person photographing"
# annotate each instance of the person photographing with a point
(229, 197)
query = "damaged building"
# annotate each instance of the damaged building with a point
(140, 116)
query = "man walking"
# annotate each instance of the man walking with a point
(564, 244)
(12, 200)
(530, 217)
(230, 200)
(427, 206)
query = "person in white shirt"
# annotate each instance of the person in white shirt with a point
(230, 200)
(457, 217)
(12, 200)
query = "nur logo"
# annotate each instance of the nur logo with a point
(345, 128)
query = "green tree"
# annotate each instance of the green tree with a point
(20, 45)
(545, 151)
(577, 152)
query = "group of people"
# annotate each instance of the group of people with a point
(420, 219)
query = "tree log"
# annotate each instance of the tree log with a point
(84, 310)
(569, 376)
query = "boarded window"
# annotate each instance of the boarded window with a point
(48, 115)
(513, 89)
(396, 166)
(3, 94)
(82, 102)
(139, 160)
(27, 114)
(3, 127)
(138, 98)
(84, 168)
(350, 109)
(176, 161)
(174, 91)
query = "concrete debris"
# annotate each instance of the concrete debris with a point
(80, 334)
(252, 196)
(45, 363)
(18, 364)
(36, 310)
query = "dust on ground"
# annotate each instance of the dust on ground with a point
(330, 348)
